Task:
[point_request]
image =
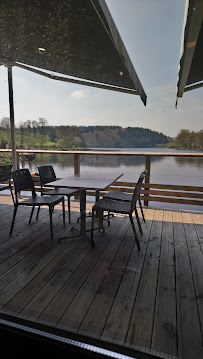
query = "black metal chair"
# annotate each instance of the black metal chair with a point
(123, 207)
(126, 197)
(23, 181)
(5, 176)
(47, 174)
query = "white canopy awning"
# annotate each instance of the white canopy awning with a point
(70, 40)
(191, 62)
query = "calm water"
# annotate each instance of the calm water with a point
(166, 170)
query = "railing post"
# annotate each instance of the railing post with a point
(76, 164)
(76, 168)
(147, 178)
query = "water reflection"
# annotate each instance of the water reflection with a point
(168, 170)
(66, 161)
(193, 161)
(103, 161)
(164, 170)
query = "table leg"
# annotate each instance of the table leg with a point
(83, 212)
(97, 195)
(82, 230)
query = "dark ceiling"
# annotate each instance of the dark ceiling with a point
(74, 34)
(191, 62)
(196, 70)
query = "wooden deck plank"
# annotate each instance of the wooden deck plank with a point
(152, 298)
(21, 228)
(97, 315)
(82, 303)
(55, 310)
(118, 320)
(188, 325)
(164, 330)
(196, 260)
(140, 330)
(22, 238)
(25, 246)
(198, 223)
(34, 284)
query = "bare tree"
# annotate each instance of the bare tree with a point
(5, 123)
(42, 122)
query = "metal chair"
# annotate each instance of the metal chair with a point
(123, 207)
(5, 176)
(47, 174)
(126, 197)
(23, 181)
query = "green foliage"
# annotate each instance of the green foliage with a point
(39, 135)
(5, 159)
(115, 136)
(188, 140)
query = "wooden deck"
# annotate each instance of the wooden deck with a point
(151, 299)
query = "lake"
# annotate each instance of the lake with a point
(165, 170)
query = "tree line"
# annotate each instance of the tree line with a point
(38, 134)
(188, 140)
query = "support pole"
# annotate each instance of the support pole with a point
(12, 122)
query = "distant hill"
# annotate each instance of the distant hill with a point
(39, 135)
(115, 136)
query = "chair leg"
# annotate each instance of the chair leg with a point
(138, 221)
(11, 193)
(38, 212)
(31, 214)
(63, 206)
(69, 210)
(101, 220)
(50, 217)
(13, 220)
(141, 210)
(92, 226)
(134, 231)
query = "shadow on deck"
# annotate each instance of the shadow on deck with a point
(152, 299)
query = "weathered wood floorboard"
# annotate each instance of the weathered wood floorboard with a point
(150, 299)
(140, 330)
(188, 323)
(164, 331)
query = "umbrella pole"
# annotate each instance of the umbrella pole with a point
(12, 122)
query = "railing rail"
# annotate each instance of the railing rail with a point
(192, 195)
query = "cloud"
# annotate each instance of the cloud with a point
(80, 94)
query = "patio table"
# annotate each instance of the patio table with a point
(85, 181)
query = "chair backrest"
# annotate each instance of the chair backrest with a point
(46, 174)
(137, 190)
(5, 173)
(23, 181)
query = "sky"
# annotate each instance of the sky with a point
(152, 33)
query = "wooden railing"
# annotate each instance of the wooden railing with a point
(192, 195)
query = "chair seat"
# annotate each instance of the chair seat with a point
(62, 191)
(41, 200)
(119, 196)
(112, 206)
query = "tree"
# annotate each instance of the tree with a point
(5, 123)
(182, 139)
(35, 126)
(199, 140)
(22, 132)
(42, 122)
(6, 136)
